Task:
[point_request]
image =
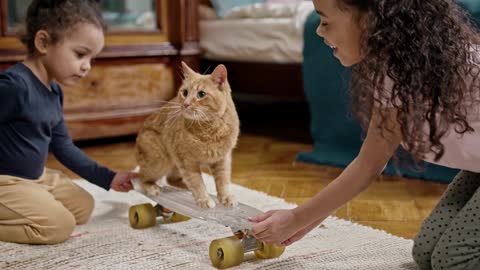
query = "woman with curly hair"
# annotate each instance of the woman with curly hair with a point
(415, 83)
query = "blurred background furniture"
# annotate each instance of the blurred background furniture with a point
(138, 69)
(261, 45)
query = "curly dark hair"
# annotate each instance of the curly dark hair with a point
(58, 17)
(426, 47)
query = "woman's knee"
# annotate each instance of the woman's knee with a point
(421, 252)
(453, 255)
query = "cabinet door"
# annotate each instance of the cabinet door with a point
(120, 15)
(136, 28)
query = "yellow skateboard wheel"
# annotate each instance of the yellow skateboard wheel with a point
(268, 251)
(226, 252)
(142, 216)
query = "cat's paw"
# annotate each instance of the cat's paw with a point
(228, 200)
(205, 202)
(152, 190)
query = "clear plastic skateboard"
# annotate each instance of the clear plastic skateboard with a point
(176, 205)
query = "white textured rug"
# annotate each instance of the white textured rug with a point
(108, 242)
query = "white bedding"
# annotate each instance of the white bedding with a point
(259, 33)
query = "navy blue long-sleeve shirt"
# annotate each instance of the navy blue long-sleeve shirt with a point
(32, 124)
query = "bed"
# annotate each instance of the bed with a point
(261, 45)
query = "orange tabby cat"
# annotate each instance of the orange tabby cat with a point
(200, 126)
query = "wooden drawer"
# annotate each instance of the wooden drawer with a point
(120, 86)
(115, 99)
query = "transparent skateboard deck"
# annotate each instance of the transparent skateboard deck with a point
(182, 201)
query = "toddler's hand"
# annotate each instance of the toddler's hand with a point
(121, 181)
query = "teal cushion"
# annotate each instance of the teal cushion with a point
(223, 6)
(473, 7)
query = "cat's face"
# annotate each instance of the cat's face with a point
(203, 97)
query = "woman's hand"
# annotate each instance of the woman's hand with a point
(121, 181)
(275, 227)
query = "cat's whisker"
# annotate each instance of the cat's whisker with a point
(181, 73)
(171, 122)
(167, 111)
(201, 118)
(195, 116)
(173, 115)
(204, 115)
(171, 107)
(169, 118)
(192, 121)
(200, 123)
(172, 103)
(165, 101)
(206, 70)
(198, 115)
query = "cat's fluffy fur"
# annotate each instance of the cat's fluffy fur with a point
(199, 127)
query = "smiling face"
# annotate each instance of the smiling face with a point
(341, 30)
(69, 59)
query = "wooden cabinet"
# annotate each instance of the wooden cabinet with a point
(138, 69)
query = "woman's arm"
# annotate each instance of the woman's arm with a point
(374, 154)
(359, 174)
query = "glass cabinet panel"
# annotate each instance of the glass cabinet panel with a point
(120, 15)
(16, 14)
(137, 15)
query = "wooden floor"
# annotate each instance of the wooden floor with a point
(264, 161)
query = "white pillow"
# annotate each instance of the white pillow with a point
(283, 1)
(206, 13)
(224, 6)
(262, 11)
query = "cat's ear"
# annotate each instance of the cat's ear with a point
(219, 75)
(187, 71)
